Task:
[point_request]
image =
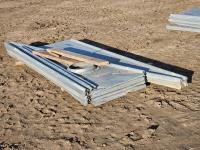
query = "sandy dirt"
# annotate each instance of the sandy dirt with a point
(36, 114)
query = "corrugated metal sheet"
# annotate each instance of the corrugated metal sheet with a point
(186, 21)
(99, 84)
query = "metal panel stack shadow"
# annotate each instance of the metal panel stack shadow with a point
(90, 83)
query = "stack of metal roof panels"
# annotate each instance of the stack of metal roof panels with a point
(185, 21)
(95, 84)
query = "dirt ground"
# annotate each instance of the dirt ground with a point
(36, 114)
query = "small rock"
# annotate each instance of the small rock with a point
(134, 136)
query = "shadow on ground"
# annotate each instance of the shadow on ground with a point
(38, 43)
